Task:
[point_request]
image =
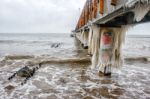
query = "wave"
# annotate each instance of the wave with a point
(24, 41)
(30, 60)
(6, 41)
(34, 60)
(18, 57)
(137, 59)
(66, 60)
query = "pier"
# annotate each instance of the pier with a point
(102, 26)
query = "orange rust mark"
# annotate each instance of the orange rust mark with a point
(86, 12)
(91, 9)
(95, 8)
(101, 6)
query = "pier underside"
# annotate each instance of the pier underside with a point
(123, 19)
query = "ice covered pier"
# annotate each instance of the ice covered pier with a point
(102, 26)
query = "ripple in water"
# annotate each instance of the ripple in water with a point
(75, 81)
(61, 78)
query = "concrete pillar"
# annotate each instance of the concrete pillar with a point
(86, 34)
(105, 45)
(110, 52)
(95, 45)
(90, 40)
(106, 50)
(84, 38)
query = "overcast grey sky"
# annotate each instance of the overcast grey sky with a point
(48, 16)
(39, 15)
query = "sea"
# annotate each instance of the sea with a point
(66, 73)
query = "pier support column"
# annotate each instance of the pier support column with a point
(105, 45)
(110, 55)
(106, 50)
(94, 44)
(90, 40)
(84, 38)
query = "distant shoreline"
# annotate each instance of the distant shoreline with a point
(138, 36)
(130, 36)
(35, 33)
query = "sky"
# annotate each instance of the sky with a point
(38, 16)
(45, 16)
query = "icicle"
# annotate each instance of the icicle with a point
(95, 45)
(140, 11)
(86, 34)
(90, 40)
(82, 37)
(130, 3)
(145, 1)
(142, 7)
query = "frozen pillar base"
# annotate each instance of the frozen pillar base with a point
(106, 71)
(106, 49)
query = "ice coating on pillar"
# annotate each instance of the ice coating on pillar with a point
(95, 46)
(108, 47)
(140, 11)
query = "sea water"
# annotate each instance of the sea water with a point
(72, 80)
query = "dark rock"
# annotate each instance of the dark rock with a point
(9, 87)
(56, 45)
(24, 72)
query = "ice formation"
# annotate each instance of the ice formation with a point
(93, 38)
(116, 58)
(140, 11)
(141, 8)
